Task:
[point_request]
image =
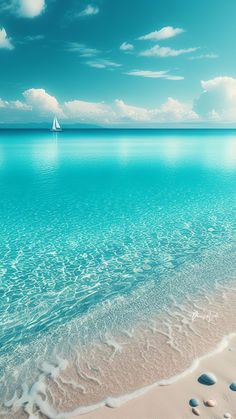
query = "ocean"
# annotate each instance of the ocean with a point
(115, 246)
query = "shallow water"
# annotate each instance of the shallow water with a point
(104, 231)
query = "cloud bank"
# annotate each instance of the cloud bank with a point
(88, 111)
(216, 103)
(41, 103)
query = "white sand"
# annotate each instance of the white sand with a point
(172, 401)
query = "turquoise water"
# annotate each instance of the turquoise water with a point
(95, 218)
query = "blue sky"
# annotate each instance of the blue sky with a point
(116, 63)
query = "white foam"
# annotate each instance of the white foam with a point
(113, 344)
(118, 401)
(37, 394)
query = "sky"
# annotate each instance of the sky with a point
(118, 63)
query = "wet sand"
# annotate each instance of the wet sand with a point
(172, 401)
(159, 358)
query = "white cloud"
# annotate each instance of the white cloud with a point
(2, 103)
(174, 110)
(82, 49)
(89, 111)
(126, 46)
(171, 111)
(174, 78)
(210, 56)
(30, 8)
(216, 103)
(164, 33)
(5, 42)
(133, 113)
(153, 74)
(101, 63)
(17, 104)
(86, 52)
(119, 111)
(23, 8)
(89, 11)
(33, 38)
(14, 104)
(43, 105)
(218, 100)
(158, 51)
(42, 102)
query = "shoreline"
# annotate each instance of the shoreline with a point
(124, 405)
(132, 405)
(130, 366)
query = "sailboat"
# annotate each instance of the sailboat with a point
(55, 125)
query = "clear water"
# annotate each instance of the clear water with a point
(91, 219)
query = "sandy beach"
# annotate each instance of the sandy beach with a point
(172, 401)
(151, 373)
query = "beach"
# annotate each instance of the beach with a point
(172, 401)
(150, 374)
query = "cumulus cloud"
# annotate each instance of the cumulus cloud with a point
(89, 111)
(17, 104)
(41, 101)
(23, 8)
(14, 104)
(218, 99)
(42, 105)
(171, 111)
(89, 10)
(164, 33)
(174, 110)
(126, 46)
(154, 74)
(119, 111)
(216, 103)
(158, 51)
(29, 8)
(5, 42)
(133, 113)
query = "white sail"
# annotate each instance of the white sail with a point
(55, 125)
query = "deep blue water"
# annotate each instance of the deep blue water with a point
(90, 216)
